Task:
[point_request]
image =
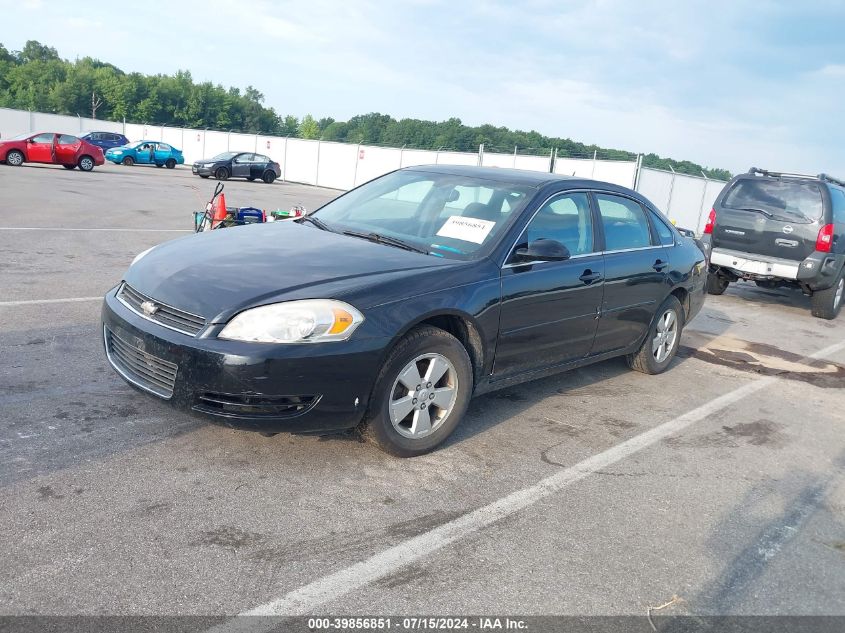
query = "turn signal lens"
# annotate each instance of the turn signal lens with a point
(711, 221)
(825, 239)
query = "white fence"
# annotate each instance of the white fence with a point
(684, 199)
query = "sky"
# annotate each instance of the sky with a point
(723, 83)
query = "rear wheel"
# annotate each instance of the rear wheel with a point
(268, 177)
(827, 303)
(663, 339)
(716, 284)
(86, 163)
(421, 394)
(222, 173)
(128, 161)
(69, 166)
(14, 158)
(170, 163)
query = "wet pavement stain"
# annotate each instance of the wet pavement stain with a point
(757, 433)
(45, 493)
(229, 536)
(766, 360)
(413, 527)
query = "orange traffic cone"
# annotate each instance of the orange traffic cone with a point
(218, 213)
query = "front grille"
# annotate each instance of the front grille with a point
(165, 315)
(253, 406)
(149, 372)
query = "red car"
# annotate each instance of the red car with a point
(48, 147)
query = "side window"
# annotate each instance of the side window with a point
(241, 159)
(163, 147)
(838, 198)
(67, 139)
(260, 158)
(43, 138)
(567, 219)
(667, 238)
(624, 222)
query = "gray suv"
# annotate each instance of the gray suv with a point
(780, 229)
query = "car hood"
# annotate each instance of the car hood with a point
(219, 273)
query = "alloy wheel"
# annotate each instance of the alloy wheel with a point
(86, 164)
(840, 290)
(423, 395)
(14, 159)
(665, 336)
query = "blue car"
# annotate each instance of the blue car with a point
(146, 153)
(105, 140)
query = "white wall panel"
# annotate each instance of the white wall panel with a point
(14, 122)
(497, 160)
(55, 123)
(533, 163)
(215, 143)
(242, 142)
(302, 157)
(337, 165)
(375, 161)
(172, 136)
(456, 158)
(411, 157)
(135, 132)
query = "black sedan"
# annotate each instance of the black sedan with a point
(391, 306)
(238, 165)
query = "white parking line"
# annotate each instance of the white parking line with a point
(58, 228)
(35, 302)
(304, 600)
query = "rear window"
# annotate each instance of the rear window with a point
(788, 200)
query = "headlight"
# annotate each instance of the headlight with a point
(307, 321)
(140, 255)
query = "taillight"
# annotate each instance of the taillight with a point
(711, 220)
(825, 238)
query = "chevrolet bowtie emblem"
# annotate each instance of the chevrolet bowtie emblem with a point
(149, 308)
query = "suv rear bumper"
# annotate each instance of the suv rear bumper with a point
(818, 271)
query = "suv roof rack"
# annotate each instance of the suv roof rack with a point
(777, 174)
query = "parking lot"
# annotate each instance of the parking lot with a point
(598, 491)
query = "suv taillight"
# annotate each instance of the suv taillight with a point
(711, 220)
(825, 238)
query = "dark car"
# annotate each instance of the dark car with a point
(392, 305)
(106, 140)
(780, 229)
(238, 165)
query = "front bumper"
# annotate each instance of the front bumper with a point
(305, 388)
(201, 170)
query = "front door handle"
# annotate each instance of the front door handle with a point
(659, 265)
(588, 276)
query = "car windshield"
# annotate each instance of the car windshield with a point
(225, 156)
(787, 200)
(445, 215)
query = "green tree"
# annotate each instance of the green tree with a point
(309, 128)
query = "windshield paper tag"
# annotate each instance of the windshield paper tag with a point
(466, 229)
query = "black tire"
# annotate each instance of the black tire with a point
(377, 425)
(170, 163)
(203, 176)
(269, 177)
(69, 166)
(14, 158)
(826, 304)
(716, 284)
(221, 173)
(86, 163)
(128, 161)
(644, 359)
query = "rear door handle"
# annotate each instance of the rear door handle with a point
(659, 265)
(588, 276)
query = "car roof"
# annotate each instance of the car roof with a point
(518, 176)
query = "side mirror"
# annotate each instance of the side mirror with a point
(543, 250)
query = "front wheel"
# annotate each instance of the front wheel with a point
(14, 158)
(716, 284)
(421, 394)
(128, 161)
(86, 163)
(827, 303)
(170, 163)
(662, 341)
(222, 173)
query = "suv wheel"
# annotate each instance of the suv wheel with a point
(827, 303)
(716, 284)
(662, 341)
(421, 393)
